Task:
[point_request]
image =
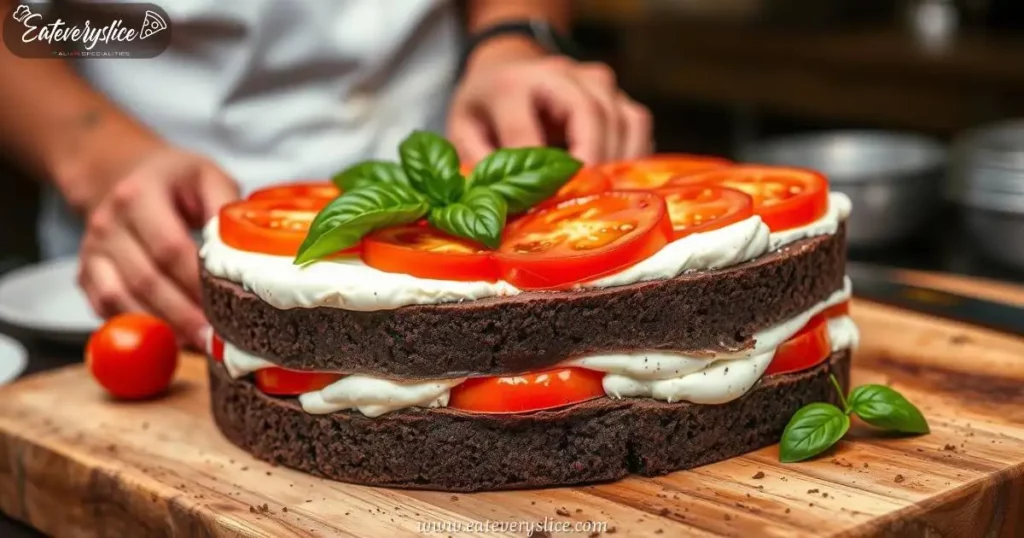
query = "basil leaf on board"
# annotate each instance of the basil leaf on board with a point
(432, 166)
(525, 176)
(343, 222)
(883, 407)
(370, 173)
(479, 215)
(811, 431)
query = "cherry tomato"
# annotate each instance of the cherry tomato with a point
(270, 226)
(783, 197)
(841, 309)
(427, 252)
(133, 356)
(584, 238)
(304, 189)
(655, 171)
(282, 382)
(528, 392)
(701, 209)
(806, 349)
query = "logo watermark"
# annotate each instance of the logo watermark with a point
(547, 525)
(86, 30)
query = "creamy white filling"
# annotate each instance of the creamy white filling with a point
(374, 397)
(670, 377)
(350, 284)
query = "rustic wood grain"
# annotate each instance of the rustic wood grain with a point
(75, 464)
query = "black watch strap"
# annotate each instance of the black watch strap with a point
(538, 30)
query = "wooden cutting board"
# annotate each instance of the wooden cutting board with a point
(74, 463)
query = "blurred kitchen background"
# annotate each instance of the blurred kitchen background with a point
(906, 104)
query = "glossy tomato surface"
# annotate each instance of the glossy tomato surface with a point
(303, 189)
(783, 197)
(704, 208)
(133, 356)
(282, 382)
(528, 392)
(655, 171)
(269, 226)
(582, 239)
(806, 349)
(426, 252)
(841, 309)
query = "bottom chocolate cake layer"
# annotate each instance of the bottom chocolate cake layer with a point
(445, 449)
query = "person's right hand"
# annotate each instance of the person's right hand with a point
(138, 254)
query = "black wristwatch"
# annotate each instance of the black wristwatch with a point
(538, 30)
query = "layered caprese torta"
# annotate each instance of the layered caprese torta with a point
(524, 322)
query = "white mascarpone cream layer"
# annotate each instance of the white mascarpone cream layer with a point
(352, 285)
(671, 377)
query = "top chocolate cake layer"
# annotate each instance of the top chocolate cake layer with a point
(712, 311)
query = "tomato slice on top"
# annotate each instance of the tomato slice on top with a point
(783, 197)
(701, 209)
(426, 252)
(586, 182)
(282, 382)
(583, 238)
(304, 189)
(655, 171)
(527, 392)
(270, 226)
(806, 349)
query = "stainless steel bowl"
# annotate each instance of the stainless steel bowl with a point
(894, 179)
(988, 181)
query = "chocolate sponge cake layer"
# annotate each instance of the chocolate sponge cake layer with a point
(445, 449)
(714, 311)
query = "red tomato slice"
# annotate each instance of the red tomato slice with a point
(216, 347)
(702, 209)
(304, 189)
(586, 182)
(841, 309)
(807, 348)
(583, 239)
(655, 171)
(269, 226)
(528, 392)
(427, 252)
(282, 382)
(783, 197)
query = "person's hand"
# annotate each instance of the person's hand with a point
(514, 95)
(138, 254)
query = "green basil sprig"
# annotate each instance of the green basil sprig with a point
(428, 182)
(818, 426)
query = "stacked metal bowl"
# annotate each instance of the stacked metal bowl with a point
(987, 180)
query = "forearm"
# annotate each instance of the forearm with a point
(481, 14)
(61, 130)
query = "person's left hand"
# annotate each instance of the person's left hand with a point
(512, 94)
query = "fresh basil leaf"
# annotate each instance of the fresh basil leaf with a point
(525, 176)
(432, 165)
(479, 215)
(811, 431)
(370, 173)
(354, 214)
(883, 407)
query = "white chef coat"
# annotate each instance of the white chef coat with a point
(279, 90)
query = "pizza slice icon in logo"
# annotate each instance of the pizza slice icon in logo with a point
(152, 24)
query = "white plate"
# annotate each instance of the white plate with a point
(45, 299)
(13, 357)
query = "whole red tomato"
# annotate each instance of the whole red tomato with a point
(133, 356)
